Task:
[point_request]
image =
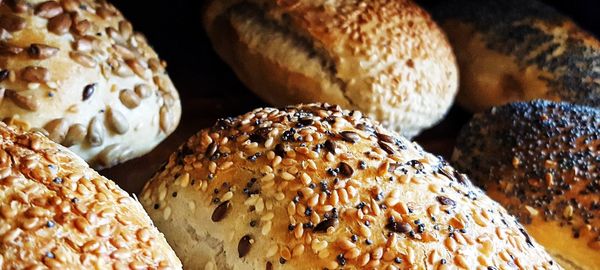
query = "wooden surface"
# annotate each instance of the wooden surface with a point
(209, 90)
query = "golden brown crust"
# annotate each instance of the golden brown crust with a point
(539, 160)
(263, 74)
(490, 78)
(57, 213)
(386, 58)
(313, 187)
(510, 50)
(77, 69)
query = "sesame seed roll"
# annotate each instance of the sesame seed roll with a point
(57, 213)
(76, 70)
(317, 187)
(541, 160)
(386, 58)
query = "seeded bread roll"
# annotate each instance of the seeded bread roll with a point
(513, 50)
(317, 187)
(57, 213)
(76, 69)
(540, 160)
(386, 58)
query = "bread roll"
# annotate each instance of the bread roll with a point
(76, 69)
(317, 187)
(57, 213)
(512, 50)
(540, 160)
(385, 58)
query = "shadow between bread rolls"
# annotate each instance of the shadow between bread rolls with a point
(317, 187)
(385, 58)
(512, 50)
(541, 160)
(77, 71)
(57, 213)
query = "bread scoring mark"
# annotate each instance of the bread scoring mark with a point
(309, 47)
(541, 153)
(525, 30)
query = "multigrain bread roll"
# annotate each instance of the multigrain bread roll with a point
(386, 58)
(541, 161)
(317, 187)
(57, 213)
(513, 50)
(76, 69)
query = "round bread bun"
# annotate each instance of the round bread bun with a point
(76, 69)
(512, 50)
(386, 58)
(317, 187)
(541, 160)
(57, 213)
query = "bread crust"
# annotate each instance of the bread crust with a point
(519, 51)
(539, 160)
(86, 78)
(57, 213)
(385, 58)
(313, 187)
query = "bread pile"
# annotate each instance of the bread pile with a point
(77, 70)
(385, 58)
(317, 187)
(309, 186)
(57, 213)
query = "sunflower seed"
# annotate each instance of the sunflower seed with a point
(117, 121)
(48, 9)
(41, 51)
(35, 74)
(129, 98)
(18, 6)
(12, 23)
(137, 67)
(349, 136)
(24, 102)
(75, 135)
(113, 155)
(60, 24)
(166, 120)
(83, 59)
(143, 90)
(96, 132)
(57, 129)
(8, 49)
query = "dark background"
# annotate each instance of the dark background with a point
(209, 89)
